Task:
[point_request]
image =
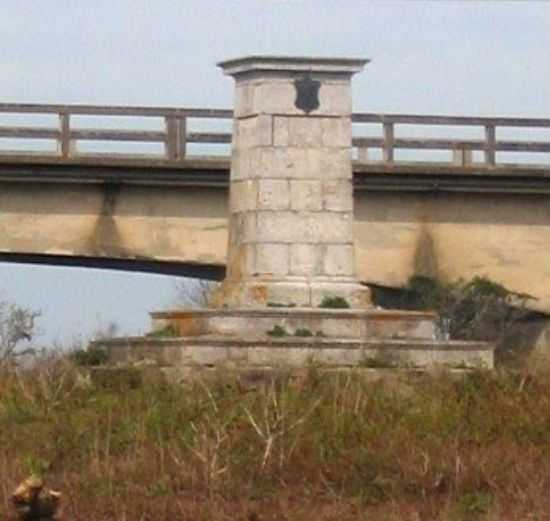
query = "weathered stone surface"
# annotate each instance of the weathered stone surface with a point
(278, 97)
(336, 132)
(272, 259)
(221, 352)
(254, 131)
(273, 194)
(339, 260)
(306, 259)
(356, 295)
(308, 227)
(306, 195)
(337, 195)
(244, 195)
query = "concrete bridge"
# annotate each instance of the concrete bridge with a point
(73, 193)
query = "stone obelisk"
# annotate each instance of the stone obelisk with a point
(291, 192)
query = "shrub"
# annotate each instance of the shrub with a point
(334, 303)
(277, 331)
(94, 355)
(303, 332)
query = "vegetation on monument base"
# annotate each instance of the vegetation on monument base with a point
(429, 447)
(477, 309)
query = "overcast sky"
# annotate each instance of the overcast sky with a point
(447, 57)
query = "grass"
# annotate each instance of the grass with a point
(428, 447)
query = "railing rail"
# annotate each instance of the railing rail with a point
(461, 149)
(176, 134)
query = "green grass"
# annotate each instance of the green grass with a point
(430, 447)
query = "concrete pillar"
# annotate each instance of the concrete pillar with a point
(291, 194)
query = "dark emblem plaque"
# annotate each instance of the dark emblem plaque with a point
(307, 94)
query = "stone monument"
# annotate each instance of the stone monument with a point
(291, 193)
(290, 246)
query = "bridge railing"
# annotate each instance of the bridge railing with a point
(175, 134)
(462, 150)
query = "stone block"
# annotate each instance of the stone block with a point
(306, 195)
(278, 96)
(336, 132)
(242, 228)
(280, 131)
(273, 194)
(204, 355)
(289, 293)
(272, 259)
(305, 259)
(304, 227)
(338, 260)
(243, 195)
(305, 132)
(335, 163)
(254, 131)
(241, 261)
(338, 195)
(356, 295)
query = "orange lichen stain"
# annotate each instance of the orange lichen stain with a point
(258, 294)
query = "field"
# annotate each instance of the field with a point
(429, 447)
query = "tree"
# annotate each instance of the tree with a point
(195, 293)
(17, 326)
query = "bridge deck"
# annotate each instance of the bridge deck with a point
(214, 172)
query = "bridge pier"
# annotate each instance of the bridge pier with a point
(291, 193)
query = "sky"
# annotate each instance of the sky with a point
(429, 57)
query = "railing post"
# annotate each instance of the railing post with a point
(64, 142)
(363, 154)
(182, 130)
(388, 143)
(490, 145)
(175, 137)
(462, 156)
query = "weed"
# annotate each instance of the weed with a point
(334, 303)
(380, 361)
(303, 332)
(169, 331)
(329, 446)
(277, 331)
(94, 355)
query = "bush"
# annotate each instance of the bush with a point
(479, 309)
(94, 355)
(334, 303)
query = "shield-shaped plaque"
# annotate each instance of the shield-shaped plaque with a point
(307, 94)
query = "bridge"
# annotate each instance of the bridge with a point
(145, 188)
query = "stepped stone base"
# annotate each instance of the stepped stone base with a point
(187, 343)
(331, 323)
(187, 357)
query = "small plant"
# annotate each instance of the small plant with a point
(277, 331)
(334, 303)
(94, 355)
(303, 331)
(280, 305)
(167, 331)
(320, 334)
(473, 504)
(379, 361)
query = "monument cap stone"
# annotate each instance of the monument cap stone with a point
(297, 64)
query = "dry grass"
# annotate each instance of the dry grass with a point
(331, 448)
